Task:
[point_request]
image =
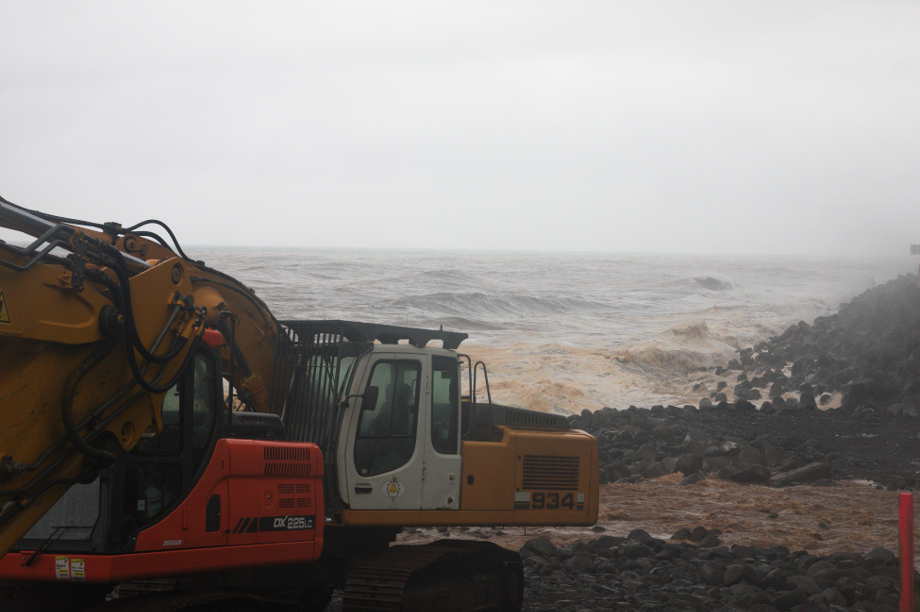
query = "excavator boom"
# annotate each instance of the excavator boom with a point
(97, 322)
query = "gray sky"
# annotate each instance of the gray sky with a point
(729, 126)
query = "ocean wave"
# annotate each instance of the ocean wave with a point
(479, 303)
(712, 283)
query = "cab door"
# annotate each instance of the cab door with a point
(384, 457)
(442, 469)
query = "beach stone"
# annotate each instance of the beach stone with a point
(805, 584)
(541, 546)
(881, 556)
(689, 463)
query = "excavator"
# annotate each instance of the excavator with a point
(167, 444)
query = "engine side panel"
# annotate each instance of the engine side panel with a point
(529, 477)
(268, 492)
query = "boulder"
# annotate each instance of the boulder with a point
(747, 473)
(541, 547)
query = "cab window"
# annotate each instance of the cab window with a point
(386, 433)
(445, 404)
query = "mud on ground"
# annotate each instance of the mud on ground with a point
(847, 517)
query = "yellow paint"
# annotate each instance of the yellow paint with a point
(56, 328)
(497, 471)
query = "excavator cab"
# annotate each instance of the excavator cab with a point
(144, 485)
(405, 446)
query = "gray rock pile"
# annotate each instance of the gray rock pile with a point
(870, 350)
(692, 571)
(774, 432)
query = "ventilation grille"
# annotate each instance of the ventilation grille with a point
(550, 473)
(290, 503)
(281, 468)
(292, 489)
(286, 453)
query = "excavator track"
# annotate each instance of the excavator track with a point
(448, 576)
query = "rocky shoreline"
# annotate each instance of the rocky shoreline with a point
(693, 572)
(770, 416)
(838, 399)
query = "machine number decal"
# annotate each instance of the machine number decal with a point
(274, 523)
(4, 312)
(550, 500)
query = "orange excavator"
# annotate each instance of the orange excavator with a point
(167, 444)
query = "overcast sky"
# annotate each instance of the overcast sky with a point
(695, 126)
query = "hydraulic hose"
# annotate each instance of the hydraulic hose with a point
(100, 352)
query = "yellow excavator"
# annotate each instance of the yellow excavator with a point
(167, 444)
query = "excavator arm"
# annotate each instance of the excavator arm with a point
(97, 322)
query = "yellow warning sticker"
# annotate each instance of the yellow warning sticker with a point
(4, 311)
(77, 569)
(62, 568)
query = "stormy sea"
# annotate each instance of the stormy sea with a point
(564, 332)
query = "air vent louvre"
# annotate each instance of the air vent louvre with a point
(281, 468)
(286, 453)
(546, 472)
(289, 503)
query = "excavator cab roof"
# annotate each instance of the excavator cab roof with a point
(356, 331)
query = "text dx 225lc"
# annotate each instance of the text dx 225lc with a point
(167, 444)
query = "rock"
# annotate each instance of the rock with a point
(603, 543)
(820, 566)
(727, 447)
(881, 556)
(640, 535)
(581, 562)
(745, 473)
(829, 597)
(698, 533)
(744, 595)
(711, 540)
(634, 550)
(807, 473)
(712, 573)
(541, 546)
(806, 584)
(789, 599)
(773, 455)
(716, 464)
(776, 390)
(681, 534)
(655, 470)
(734, 573)
(689, 463)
